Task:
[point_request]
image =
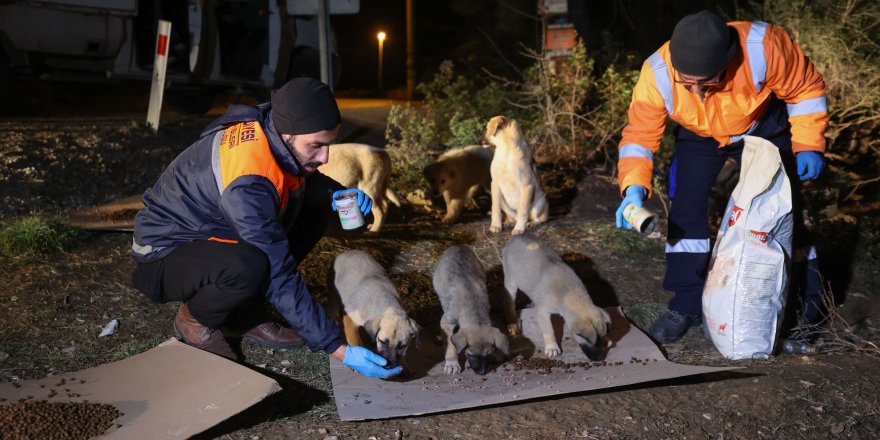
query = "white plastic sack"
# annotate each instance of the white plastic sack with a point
(745, 292)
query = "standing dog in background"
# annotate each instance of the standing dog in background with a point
(460, 282)
(457, 175)
(369, 300)
(553, 287)
(365, 167)
(516, 187)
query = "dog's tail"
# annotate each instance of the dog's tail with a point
(392, 197)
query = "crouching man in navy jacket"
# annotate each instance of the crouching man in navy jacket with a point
(227, 224)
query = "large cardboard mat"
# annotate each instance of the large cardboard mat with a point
(173, 391)
(632, 359)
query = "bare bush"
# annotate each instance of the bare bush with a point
(838, 335)
(578, 114)
(842, 39)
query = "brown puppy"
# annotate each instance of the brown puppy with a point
(365, 167)
(516, 187)
(361, 289)
(460, 283)
(457, 175)
(554, 288)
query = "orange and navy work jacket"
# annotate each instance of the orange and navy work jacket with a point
(768, 62)
(234, 185)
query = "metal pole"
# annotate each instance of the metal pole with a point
(381, 46)
(324, 43)
(410, 52)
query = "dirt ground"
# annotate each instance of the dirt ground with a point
(52, 307)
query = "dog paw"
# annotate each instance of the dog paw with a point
(451, 368)
(448, 220)
(514, 330)
(518, 229)
(495, 228)
(551, 351)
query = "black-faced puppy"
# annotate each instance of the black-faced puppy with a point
(460, 282)
(457, 175)
(365, 167)
(370, 300)
(532, 267)
(516, 187)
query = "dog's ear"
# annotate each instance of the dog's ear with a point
(459, 340)
(501, 341)
(414, 329)
(494, 125)
(372, 327)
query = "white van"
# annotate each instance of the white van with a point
(240, 43)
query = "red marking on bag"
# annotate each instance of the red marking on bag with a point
(734, 216)
(760, 236)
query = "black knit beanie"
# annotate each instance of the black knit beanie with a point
(702, 44)
(304, 105)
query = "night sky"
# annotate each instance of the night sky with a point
(473, 34)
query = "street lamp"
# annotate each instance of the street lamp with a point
(381, 37)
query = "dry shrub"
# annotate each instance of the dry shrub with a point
(842, 39)
(839, 336)
(453, 113)
(577, 114)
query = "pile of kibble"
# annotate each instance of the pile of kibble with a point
(546, 366)
(39, 419)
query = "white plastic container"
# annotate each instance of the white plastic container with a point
(350, 215)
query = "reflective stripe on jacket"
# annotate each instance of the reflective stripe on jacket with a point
(233, 185)
(768, 62)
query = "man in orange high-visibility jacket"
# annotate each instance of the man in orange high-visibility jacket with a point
(720, 81)
(226, 226)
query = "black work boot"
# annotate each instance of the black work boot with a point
(672, 326)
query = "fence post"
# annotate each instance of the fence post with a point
(160, 62)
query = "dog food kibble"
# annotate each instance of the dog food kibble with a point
(42, 419)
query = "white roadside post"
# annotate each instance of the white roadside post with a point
(159, 64)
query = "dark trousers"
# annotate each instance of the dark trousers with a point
(225, 283)
(695, 166)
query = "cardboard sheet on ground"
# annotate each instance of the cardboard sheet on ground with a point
(173, 391)
(117, 215)
(429, 390)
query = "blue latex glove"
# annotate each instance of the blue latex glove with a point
(365, 203)
(809, 164)
(368, 363)
(634, 196)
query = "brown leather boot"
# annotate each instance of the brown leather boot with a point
(270, 335)
(193, 333)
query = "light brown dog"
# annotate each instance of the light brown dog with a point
(361, 290)
(554, 288)
(516, 187)
(457, 175)
(460, 283)
(365, 167)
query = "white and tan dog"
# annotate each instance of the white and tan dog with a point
(365, 167)
(460, 283)
(457, 175)
(554, 288)
(368, 298)
(516, 187)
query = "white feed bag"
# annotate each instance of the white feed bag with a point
(746, 286)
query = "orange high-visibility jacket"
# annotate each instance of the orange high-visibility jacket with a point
(768, 62)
